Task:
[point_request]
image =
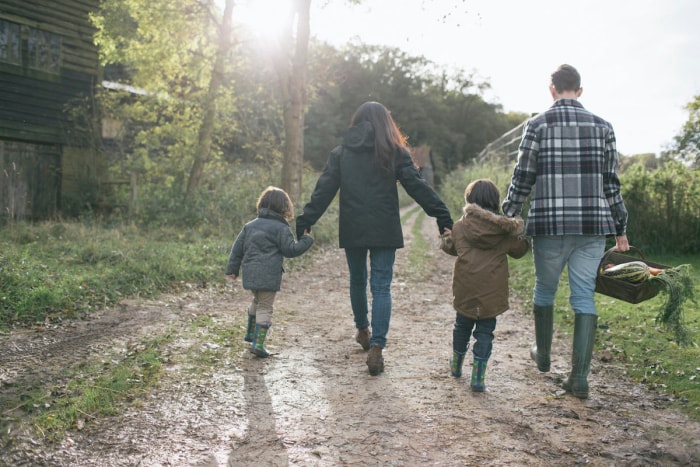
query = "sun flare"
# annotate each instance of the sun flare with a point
(264, 18)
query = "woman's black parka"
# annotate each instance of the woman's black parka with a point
(369, 207)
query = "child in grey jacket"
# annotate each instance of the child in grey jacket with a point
(259, 251)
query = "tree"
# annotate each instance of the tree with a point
(291, 69)
(442, 110)
(688, 141)
(206, 128)
(174, 54)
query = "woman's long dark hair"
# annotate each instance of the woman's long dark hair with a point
(387, 135)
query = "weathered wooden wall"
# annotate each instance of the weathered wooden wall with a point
(29, 187)
(48, 61)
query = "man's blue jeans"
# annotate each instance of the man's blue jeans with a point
(581, 254)
(381, 262)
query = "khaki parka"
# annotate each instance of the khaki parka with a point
(482, 240)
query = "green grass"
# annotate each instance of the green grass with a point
(64, 270)
(419, 251)
(630, 336)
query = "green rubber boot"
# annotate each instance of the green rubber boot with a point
(258, 347)
(456, 363)
(544, 328)
(584, 338)
(251, 329)
(478, 374)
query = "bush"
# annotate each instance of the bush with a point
(663, 203)
(664, 207)
(454, 184)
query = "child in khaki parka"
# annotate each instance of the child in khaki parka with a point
(482, 240)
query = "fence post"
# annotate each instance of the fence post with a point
(134, 192)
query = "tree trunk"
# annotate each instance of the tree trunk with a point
(206, 130)
(292, 75)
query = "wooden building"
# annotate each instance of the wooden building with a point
(48, 73)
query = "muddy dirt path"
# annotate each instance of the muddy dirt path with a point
(313, 403)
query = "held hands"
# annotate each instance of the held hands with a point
(302, 229)
(231, 277)
(446, 243)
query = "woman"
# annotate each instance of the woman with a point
(365, 168)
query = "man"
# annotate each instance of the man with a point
(568, 155)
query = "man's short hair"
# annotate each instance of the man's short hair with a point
(566, 78)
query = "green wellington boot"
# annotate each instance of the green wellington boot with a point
(456, 363)
(258, 347)
(584, 338)
(478, 374)
(544, 328)
(251, 329)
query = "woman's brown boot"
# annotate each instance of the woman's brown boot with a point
(362, 338)
(375, 361)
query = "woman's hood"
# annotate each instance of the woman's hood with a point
(359, 137)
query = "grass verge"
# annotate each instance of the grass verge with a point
(53, 271)
(418, 252)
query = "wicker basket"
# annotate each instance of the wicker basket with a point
(626, 291)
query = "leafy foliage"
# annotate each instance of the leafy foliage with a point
(677, 286)
(444, 111)
(663, 206)
(688, 140)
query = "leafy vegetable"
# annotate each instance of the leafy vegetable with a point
(677, 286)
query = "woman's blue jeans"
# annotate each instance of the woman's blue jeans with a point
(483, 333)
(581, 254)
(381, 261)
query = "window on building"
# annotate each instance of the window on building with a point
(43, 50)
(30, 47)
(10, 42)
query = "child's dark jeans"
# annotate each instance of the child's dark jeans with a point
(483, 333)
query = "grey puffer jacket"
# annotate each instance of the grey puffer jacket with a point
(260, 249)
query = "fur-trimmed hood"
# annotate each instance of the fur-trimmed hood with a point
(485, 229)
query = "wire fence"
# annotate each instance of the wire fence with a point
(504, 149)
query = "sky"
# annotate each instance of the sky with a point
(639, 60)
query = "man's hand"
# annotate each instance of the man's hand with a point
(621, 243)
